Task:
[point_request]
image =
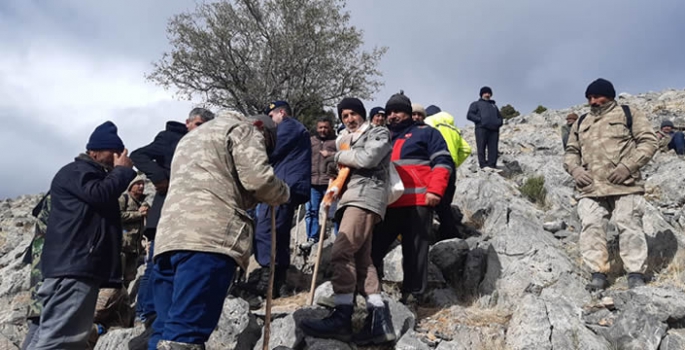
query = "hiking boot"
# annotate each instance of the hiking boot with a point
(377, 327)
(636, 279)
(172, 345)
(338, 325)
(280, 283)
(599, 282)
(307, 246)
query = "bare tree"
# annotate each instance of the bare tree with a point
(241, 54)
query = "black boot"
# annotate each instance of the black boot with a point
(377, 327)
(336, 326)
(599, 282)
(280, 283)
(635, 279)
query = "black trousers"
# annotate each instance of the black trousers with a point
(487, 141)
(448, 224)
(414, 224)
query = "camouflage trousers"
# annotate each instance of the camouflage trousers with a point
(626, 212)
(113, 308)
(129, 264)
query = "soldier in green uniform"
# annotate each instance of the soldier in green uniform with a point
(35, 249)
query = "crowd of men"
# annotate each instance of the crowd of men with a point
(212, 172)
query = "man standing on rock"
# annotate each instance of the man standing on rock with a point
(421, 158)
(361, 207)
(377, 115)
(488, 120)
(113, 307)
(566, 128)
(83, 240)
(219, 171)
(155, 161)
(323, 149)
(606, 149)
(292, 163)
(668, 139)
(459, 150)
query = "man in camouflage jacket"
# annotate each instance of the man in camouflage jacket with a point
(41, 212)
(113, 308)
(604, 155)
(219, 171)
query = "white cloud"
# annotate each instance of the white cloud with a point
(56, 88)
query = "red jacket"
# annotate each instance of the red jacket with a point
(422, 160)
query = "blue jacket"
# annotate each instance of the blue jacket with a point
(485, 114)
(423, 162)
(83, 238)
(155, 161)
(292, 159)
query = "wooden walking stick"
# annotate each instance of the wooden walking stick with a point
(319, 249)
(334, 190)
(297, 226)
(270, 291)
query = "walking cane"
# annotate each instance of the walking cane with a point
(319, 250)
(297, 226)
(270, 291)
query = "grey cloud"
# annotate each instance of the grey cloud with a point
(441, 52)
(530, 52)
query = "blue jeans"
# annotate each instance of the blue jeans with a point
(311, 216)
(677, 142)
(189, 288)
(145, 305)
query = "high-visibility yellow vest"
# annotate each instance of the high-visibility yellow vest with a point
(458, 147)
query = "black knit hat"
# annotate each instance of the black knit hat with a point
(601, 87)
(351, 103)
(485, 89)
(398, 103)
(667, 123)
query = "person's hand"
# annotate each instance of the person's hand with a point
(285, 195)
(332, 169)
(143, 210)
(582, 177)
(122, 159)
(325, 153)
(162, 186)
(432, 199)
(619, 175)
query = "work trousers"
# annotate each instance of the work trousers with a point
(627, 211)
(487, 142)
(414, 224)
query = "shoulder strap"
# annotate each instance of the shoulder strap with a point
(629, 118)
(125, 201)
(37, 209)
(580, 121)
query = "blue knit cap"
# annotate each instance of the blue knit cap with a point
(432, 109)
(105, 137)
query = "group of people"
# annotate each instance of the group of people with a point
(210, 173)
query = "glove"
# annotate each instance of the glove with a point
(582, 177)
(619, 175)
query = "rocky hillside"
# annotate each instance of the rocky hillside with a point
(515, 283)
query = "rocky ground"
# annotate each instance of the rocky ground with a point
(515, 283)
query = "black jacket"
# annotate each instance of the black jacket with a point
(155, 161)
(83, 238)
(485, 114)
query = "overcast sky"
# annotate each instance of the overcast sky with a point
(68, 65)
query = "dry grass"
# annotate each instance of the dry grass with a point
(442, 322)
(673, 274)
